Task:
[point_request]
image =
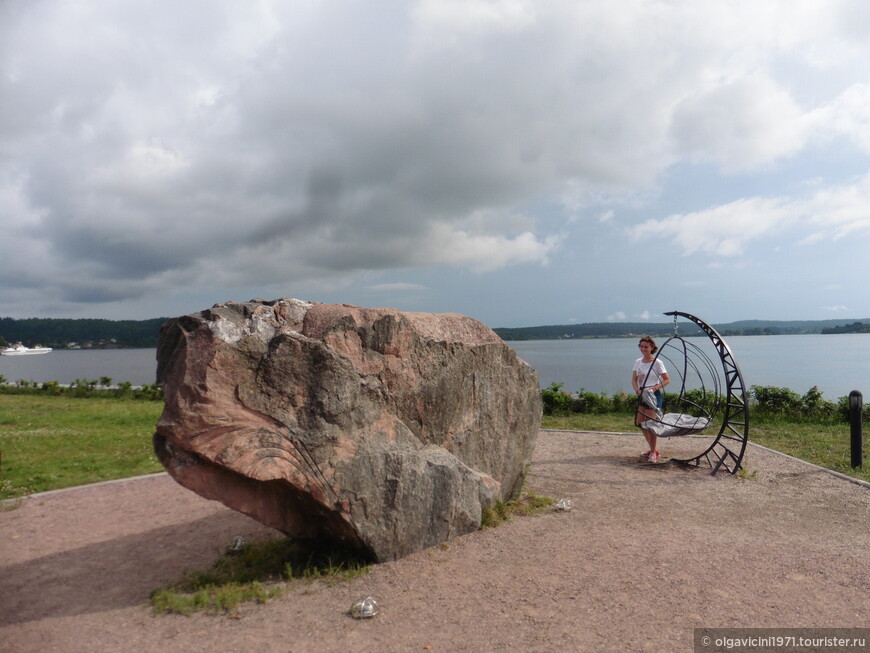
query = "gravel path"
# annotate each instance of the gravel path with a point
(647, 553)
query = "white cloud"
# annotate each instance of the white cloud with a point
(484, 253)
(143, 167)
(740, 125)
(619, 316)
(839, 211)
(722, 230)
(829, 214)
(847, 115)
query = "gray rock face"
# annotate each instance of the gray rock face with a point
(389, 431)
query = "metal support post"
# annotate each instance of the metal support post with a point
(856, 421)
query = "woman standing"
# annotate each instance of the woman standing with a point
(649, 372)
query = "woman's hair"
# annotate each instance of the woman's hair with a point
(651, 342)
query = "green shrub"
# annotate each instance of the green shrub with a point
(765, 402)
(84, 389)
(843, 413)
(770, 400)
(698, 401)
(590, 402)
(815, 406)
(557, 401)
(773, 402)
(52, 388)
(624, 403)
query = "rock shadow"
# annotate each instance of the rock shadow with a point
(116, 573)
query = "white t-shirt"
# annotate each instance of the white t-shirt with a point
(654, 378)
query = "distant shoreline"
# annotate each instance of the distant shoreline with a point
(663, 329)
(144, 334)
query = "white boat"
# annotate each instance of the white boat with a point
(20, 350)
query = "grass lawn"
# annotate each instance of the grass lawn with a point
(48, 443)
(615, 423)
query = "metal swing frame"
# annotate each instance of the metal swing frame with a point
(729, 446)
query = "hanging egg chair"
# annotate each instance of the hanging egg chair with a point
(711, 395)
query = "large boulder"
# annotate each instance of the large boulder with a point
(390, 431)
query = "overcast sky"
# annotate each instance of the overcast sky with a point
(520, 162)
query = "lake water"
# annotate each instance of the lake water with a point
(837, 364)
(138, 366)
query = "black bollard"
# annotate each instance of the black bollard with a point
(856, 419)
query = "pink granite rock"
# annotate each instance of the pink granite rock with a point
(389, 431)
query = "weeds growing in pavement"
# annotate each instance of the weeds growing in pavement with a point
(256, 572)
(527, 503)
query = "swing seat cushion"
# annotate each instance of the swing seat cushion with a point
(673, 424)
(648, 399)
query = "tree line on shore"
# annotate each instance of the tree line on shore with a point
(60, 333)
(664, 329)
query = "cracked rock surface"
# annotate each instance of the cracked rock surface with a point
(389, 431)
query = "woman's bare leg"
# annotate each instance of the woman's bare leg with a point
(641, 419)
(651, 439)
